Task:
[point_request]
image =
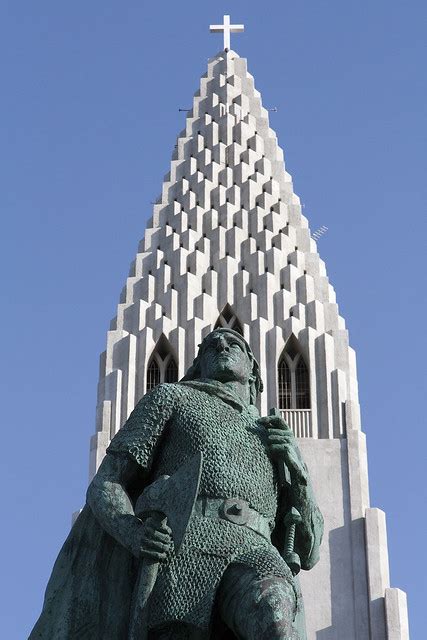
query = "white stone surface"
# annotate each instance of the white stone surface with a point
(397, 614)
(378, 569)
(228, 229)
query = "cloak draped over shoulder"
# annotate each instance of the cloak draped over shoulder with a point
(89, 592)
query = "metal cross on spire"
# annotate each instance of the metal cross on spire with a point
(227, 28)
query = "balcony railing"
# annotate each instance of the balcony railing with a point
(299, 421)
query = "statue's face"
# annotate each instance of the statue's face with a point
(224, 358)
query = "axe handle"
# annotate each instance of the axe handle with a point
(146, 580)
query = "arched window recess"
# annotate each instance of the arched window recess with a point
(294, 389)
(227, 318)
(162, 366)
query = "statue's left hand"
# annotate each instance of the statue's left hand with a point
(283, 446)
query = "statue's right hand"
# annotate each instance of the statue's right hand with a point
(155, 541)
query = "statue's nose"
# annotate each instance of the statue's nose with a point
(222, 345)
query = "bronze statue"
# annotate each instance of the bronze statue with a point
(252, 524)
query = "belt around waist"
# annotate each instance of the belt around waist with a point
(233, 510)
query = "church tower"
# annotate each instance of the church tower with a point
(228, 245)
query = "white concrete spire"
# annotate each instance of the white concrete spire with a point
(227, 28)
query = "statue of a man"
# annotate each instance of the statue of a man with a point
(229, 578)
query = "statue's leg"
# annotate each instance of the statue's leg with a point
(257, 608)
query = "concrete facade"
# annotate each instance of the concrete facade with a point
(228, 230)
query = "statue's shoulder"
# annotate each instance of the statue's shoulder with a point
(165, 397)
(145, 424)
(164, 392)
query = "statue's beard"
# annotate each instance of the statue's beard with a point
(224, 371)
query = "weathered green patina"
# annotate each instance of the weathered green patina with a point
(229, 578)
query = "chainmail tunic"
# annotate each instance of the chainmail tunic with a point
(167, 427)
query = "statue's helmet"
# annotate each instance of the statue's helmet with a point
(255, 381)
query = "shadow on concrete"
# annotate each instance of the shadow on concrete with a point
(346, 568)
(342, 612)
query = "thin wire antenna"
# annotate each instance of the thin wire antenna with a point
(319, 232)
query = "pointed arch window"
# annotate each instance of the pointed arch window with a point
(171, 371)
(162, 366)
(227, 318)
(285, 385)
(294, 379)
(153, 374)
(302, 385)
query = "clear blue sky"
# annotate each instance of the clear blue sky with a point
(90, 93)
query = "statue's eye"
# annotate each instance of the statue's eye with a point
(236, 344)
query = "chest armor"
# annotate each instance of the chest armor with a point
(234, 446)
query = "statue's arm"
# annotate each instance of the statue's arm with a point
(109, 500)
(125, 470)
(310, 530)
(284, 447)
